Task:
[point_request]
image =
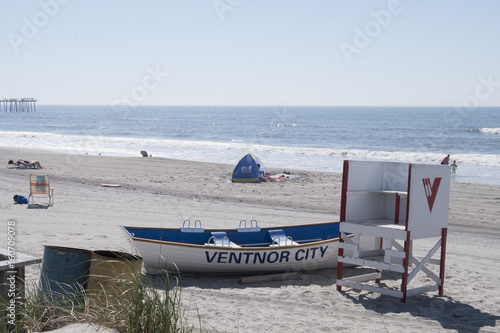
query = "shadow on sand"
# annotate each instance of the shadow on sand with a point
(449, 313)
(38, 206)
(216, 281)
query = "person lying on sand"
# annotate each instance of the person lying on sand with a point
(23, 164)
(266, 177)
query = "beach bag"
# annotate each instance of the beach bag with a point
(20, 199)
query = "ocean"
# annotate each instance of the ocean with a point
(306, 138)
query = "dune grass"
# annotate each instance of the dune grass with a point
(138, 308)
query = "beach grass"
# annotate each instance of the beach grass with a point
(140, 308)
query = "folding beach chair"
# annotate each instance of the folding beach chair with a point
(40, 187)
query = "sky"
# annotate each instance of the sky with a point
(251, 52)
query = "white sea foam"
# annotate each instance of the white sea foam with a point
(224, 152)
(490, 130)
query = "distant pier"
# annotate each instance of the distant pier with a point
(18, 105)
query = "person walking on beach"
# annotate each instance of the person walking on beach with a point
(454, 167)
(446, 160)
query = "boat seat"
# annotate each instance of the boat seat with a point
(252, 228)
(278, 238)
(220, 238)
(186, 226)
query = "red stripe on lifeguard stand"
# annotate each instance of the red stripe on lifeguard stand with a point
(343, 199)
(442, 261)
(343, 203)
(408, 198)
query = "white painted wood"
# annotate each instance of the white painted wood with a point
(348, 246)
(377, 228)
(423, 198)
(395, 254)
(379, 290)
(373, 191)
(371, 253)
(364, 277)
(372, 263)
(431, 261)
(421, 290)
(355, 240)
(420, 265)
(401, 193)
(426, 233)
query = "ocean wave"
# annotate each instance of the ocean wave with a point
(224, 152)
(490, 130)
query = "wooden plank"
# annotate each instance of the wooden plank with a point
(20, 260)
(393, 231)
(420, 290)
(364, 277)
(395, 253)
(372, 263)
(431, 261)
(426, 233)
(379, 290)
(355, 240)
(371, 253)
(427, 271)
(401, 193)
(423, 262)
(346, 238)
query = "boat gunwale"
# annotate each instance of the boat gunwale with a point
(236, 229)
(239, 248)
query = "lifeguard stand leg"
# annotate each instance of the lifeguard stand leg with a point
(406, 265)
(340, 265)
(443, 256)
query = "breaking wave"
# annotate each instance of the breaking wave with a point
(490, 130)
(224, 152)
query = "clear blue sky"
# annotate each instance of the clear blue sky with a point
(251, 52)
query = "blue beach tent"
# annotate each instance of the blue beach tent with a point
(247, 171)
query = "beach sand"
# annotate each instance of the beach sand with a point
(163, 193)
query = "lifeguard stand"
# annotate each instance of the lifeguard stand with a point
(394, 204)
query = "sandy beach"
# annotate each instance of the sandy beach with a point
(163, 193)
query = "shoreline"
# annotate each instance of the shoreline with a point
(164, 192)
(471, 167)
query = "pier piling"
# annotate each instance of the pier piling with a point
(18, 105)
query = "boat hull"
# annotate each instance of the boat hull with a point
(314, 247)
(161, 256)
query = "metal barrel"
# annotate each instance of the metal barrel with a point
(64, 271)
(113, 274)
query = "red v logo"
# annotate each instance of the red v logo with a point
(431, 190)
